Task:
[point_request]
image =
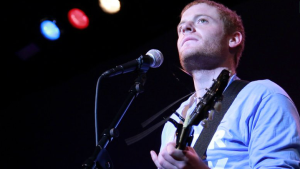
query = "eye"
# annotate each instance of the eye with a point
(202, 20)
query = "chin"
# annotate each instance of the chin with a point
(186, 52)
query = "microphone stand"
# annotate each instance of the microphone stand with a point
(100, 158)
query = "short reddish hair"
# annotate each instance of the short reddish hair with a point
(232, 23)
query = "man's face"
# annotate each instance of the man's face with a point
(201, 38)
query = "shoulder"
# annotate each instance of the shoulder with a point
(264, 88)
(260, 96)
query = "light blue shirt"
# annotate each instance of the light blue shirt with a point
(261, 129)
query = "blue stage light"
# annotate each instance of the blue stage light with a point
(50, 30)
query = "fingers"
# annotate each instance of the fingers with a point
(193, 160)
(175, 153)
(172, 158)
(191, 154)
(162, 161)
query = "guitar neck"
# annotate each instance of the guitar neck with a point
(203, 110)
(184, 138)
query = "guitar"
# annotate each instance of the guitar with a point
(207, 106)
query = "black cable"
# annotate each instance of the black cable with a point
(96, 108)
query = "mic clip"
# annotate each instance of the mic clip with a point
(142, 64)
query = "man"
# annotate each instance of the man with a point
(261, 128)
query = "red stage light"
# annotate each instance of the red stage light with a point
(78, 18)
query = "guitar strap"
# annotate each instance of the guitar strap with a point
(207, 133)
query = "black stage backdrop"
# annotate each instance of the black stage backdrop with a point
(54, 127)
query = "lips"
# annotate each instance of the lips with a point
(188, 39)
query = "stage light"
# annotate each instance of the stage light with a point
(110, 6)
(78, 18)
(50, 30)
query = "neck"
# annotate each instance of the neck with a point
(204, 79)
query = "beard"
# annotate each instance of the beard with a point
(208, 56)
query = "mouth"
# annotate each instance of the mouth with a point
(188, 39)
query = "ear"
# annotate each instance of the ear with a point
(235, 39)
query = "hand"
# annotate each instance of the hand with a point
(172, 158)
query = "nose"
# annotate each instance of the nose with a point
(187, 28)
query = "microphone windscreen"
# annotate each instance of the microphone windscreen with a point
(157, 57)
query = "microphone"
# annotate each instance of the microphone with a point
(153, 58)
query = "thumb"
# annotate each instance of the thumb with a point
(154, 158)
(153, 155)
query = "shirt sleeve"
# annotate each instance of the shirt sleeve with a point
(168, 133)
(275, 130)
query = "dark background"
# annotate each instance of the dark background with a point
(47, 107)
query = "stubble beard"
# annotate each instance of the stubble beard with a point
(207, 57)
